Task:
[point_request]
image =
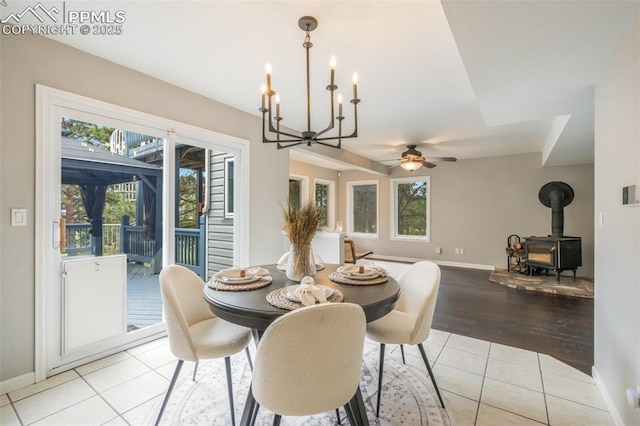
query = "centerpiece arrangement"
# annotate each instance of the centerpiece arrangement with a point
(300, 225)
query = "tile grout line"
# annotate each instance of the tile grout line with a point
(544, 392)
(101, 397)
(484, 376)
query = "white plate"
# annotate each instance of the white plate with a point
(290, 292)
(240, 280)
(366, 275)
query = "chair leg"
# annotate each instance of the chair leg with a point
(246, 350)
(358, 410)
(380, 378)
(276, 419)
(176, 373)
(195, 370)
(227, 365)
(254, 414)
(338, 416)
(350, 416)
(433, 379)
(402, 352)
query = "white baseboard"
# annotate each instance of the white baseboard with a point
(439, 262)
(606, 397)
(16, 383)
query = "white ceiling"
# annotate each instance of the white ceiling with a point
(458, 78)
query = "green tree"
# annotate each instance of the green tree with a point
(72, 206)
(117, 205)
(94, 134)
(187, 207)
(365, 208)
(412, 207)
(322, 203)
(295, 188)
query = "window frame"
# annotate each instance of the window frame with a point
(350, 221)
(331, 200)
(394, 208)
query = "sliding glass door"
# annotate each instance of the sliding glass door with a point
(118, 199)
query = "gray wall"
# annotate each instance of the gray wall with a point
(617, 277)
(28, 60)
(476, 204)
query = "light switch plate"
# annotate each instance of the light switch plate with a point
(18, 217)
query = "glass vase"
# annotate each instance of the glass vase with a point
(301, 262)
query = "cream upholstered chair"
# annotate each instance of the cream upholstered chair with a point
(195, 333)
(410, 321)
(309, 360)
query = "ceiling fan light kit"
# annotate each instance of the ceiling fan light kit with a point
(412, 159)
(271, 122)
(411, 165)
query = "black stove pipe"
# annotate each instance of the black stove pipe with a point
(557, 213)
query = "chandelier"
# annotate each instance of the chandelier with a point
(271, 121)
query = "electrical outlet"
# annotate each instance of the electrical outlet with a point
(461, 251)
(457, 250)
(438, 250)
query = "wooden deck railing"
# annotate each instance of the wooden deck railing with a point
(124, 238)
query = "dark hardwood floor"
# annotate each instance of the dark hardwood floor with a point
(561, 326)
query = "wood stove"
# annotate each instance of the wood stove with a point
(555, 252)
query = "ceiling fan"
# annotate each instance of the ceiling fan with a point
(412, 159)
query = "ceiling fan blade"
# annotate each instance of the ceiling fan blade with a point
(441, 158)
(428, 164)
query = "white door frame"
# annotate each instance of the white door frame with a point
(50, 104)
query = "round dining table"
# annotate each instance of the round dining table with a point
(251, 309)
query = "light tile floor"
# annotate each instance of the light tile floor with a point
(483, 383)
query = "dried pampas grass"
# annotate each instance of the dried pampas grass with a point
(301, 224)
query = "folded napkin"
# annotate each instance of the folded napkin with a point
(355, 269)
(308, 292)
(235, 272)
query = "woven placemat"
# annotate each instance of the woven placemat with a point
(277, 299)
(339, 278)
(221, 285)
(283, 266)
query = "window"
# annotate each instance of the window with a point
(362, 199)
(324, 198)
(410, 208)
(228, 187)
(298, 190)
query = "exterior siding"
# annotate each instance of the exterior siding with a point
(219, 228)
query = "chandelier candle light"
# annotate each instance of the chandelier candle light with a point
(271, 123)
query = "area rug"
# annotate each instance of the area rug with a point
(408, 397)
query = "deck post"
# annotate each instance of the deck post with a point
(124, 234)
